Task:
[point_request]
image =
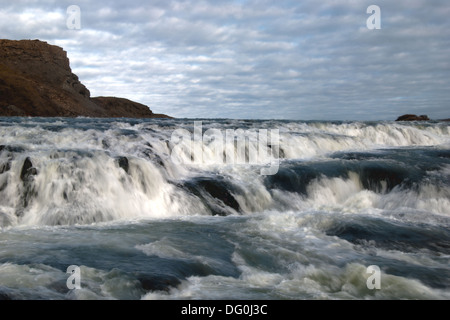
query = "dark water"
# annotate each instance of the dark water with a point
(144, 215)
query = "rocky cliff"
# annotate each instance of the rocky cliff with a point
(36, 80)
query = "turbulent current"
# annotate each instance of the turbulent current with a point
(162, 209)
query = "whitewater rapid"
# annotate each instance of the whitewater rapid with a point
(86, 171)
(109, 196)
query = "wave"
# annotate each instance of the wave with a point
(74, 187)
(82, 171)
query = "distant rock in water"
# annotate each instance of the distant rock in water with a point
(36, 80)
(413, 117)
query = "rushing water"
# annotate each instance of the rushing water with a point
(108, 196)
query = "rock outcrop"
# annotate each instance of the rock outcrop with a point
(36, 80)
(117, 107)
(413, 117)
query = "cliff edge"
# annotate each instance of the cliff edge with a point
(36, 80)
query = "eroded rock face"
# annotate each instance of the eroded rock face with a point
(36, 80)
(35, 58)
(72, 84)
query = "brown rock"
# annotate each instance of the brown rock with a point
(412, 117)
(121, 107)
(36, 80)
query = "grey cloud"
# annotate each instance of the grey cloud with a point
(247, 59)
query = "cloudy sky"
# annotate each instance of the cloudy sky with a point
(302, 59)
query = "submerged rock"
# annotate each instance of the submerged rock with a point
(5, 167)
(123, 163)
(158, 282)
(27, 170)
(216, 194)
(27, 176)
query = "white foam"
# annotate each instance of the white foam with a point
(163, 248)
(300, 283)
(76, 190)
(79, 181)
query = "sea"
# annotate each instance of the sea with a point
(223, 209)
